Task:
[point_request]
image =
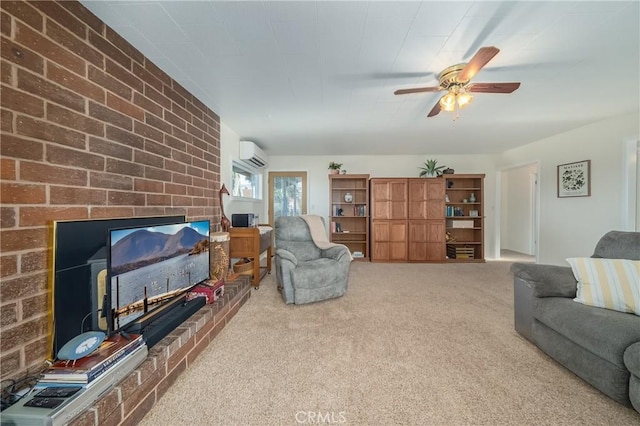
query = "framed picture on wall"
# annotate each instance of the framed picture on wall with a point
(574, 179)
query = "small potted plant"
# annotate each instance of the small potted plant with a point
(335, 167)
(431, 169)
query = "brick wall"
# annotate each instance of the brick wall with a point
(90, 128)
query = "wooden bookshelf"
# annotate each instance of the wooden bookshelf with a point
(349, 213)
(465, 217)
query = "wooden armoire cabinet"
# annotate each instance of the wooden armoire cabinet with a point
(407, 219)
(428, 219)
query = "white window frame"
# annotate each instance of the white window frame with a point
(255, 174)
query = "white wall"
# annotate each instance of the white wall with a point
(229, 151)
(572, 226)
(516, 218)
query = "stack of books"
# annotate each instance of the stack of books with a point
(83, 371)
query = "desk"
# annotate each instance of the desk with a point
(250, 242)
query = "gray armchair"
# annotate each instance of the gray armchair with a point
(305, 272)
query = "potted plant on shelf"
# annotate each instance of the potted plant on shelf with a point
(335, 167)
(431, 169)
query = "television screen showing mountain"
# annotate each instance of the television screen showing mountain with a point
(153, 264)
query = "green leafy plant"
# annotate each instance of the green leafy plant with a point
(431, 168)
(335, 166)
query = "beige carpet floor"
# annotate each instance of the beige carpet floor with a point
(409, 344)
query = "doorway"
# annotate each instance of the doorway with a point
(519, 212)
(287, 194)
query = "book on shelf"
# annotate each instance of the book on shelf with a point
(85, 369)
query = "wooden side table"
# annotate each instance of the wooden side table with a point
(249, 242)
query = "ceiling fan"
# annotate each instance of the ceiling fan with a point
(456, 81)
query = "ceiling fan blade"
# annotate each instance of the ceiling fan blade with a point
(417, 90)
(493, 87)
(435, 110)
(479, 60)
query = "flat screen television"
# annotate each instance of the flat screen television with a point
(80, 274)
(149, 267)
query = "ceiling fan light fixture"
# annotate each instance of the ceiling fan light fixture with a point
(464, 98)
(448, 102)
(456, 98)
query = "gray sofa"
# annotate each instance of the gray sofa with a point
(305, 272)
(599, 345)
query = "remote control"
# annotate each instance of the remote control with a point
(44, 402)
(57, 391)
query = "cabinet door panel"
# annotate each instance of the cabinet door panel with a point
(380, 240)
(417, 251)
(426, 240)
(380, 199)
(380, 210)
(389, 198)
(398, 240)
(398, 191)
(436, 251)
(380, 231)
(389, 240)
(435, 231)
(417, 200)
(426, 198)
(426, 251)
(435, 209)
(380, 251)
(417, 240)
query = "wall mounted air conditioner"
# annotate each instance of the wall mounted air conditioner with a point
(252, 154)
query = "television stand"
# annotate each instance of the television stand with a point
(167, 320)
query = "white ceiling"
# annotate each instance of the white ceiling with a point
(317, 77)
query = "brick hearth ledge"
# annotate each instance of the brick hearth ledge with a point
(132, 398)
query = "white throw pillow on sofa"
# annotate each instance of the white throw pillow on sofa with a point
(607, 283)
